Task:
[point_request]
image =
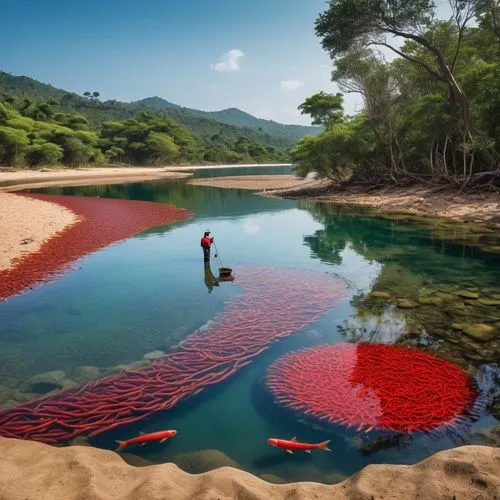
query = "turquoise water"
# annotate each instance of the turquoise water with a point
(149, 292)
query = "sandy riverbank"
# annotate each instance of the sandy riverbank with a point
(101, 221)
(255, 182)
(429, 202)
(20, 179)
(21, 232)
(33, 470)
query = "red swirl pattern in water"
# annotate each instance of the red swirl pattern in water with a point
(372, 386)
(275, 303)
(102, 221)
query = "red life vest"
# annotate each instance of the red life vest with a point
(206, 241)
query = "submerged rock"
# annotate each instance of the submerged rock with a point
(131, 366)
(381, 295)
(433, 300)
(7, 405)
(480, 331)
(406, 304)
(447, 296)
(67, 383)
(197, 462)
(84, 373)
(44, 382)
(458, 326)
(152, 356)
(5, 393)
(466, 294)
(489, 302)
(22, 397)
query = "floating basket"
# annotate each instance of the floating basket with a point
(225, 272)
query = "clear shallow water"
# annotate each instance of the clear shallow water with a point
(149, 293)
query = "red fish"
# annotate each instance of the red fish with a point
(293, 444)
(143, 439)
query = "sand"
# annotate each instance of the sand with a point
(25, 224)
(425, 201)
(254, 182)
(35, 471)
(14, 180)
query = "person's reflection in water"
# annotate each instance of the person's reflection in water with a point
(209, 278)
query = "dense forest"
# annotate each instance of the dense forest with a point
(43, 125)
(431, 114)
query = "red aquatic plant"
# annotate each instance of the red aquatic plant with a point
(372, 386)
(101, 221)
(275, 303)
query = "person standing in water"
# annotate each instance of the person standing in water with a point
(206, 241)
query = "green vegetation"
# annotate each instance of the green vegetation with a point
(289, 134)
(431, 115)
(228, 136)
(40, 125)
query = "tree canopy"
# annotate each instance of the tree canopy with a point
(431, 114)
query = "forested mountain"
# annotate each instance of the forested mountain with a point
(431, 115)
(40, 124)
(232, 116)
(230, 124)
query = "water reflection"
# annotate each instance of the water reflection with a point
(125, 311)
(209, 278)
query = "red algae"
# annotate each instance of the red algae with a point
(372, 386)
(275, 304)
(101, 221)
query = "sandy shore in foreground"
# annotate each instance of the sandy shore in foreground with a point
(26, 224)
(21, 179)
(32, 470)
(255, 182)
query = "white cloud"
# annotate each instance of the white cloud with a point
(291, 84)
(229, 61)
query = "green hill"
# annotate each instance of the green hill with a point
(214, 127)
(43, 125)
(235, 117)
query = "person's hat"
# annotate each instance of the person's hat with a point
(207, 231)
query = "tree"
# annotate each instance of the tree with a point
(163, 149)
(356, 24)
(325, 109)
(95, 94)
(44, 154)
(13, 144)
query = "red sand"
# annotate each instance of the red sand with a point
(276, 303)
(102, 221)
(374, 386)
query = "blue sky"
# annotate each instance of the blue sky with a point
(261, 56)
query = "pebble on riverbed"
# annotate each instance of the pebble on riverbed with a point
(86, 373)
(44, 382)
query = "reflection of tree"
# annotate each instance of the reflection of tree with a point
(202, 200)
(375, 321)
(390, 241)
(324, 248)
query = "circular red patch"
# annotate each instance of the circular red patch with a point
(372, 386)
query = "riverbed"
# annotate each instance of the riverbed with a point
(150, 292)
